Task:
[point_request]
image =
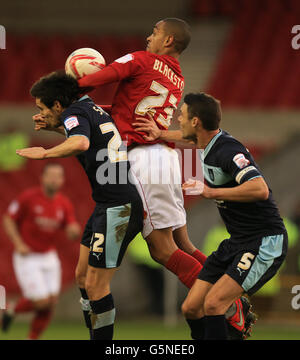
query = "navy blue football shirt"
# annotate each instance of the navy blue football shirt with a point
(227, 163)
(105, 162)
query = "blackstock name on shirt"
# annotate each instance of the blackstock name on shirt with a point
(169, 73)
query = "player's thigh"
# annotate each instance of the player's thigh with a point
(221, 295)
(82, 265)
(84, 249)
(217, 263)
(161, 244)
(192, 306)
(29, 274)
(182, 240)
(113, 229)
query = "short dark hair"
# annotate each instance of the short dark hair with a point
(206, 108)
(181, 32)
(56, 86)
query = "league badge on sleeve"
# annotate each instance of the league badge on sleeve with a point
(241, 161)
(71, 122)
(124, 59)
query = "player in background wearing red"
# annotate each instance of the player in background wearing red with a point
(151, 82)
(32, 223)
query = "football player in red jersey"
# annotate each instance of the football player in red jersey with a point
(32, 223)
(151, 82)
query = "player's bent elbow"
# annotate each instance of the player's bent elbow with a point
(82, 144)
(263, 193)
(266, 194)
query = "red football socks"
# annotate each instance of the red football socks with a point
(197, 254)
(23, 306)
(185, 266)
(39, 323)
(41, 318)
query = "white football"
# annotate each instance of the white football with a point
(83, 62)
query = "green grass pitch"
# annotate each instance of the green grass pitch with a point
(143, 330)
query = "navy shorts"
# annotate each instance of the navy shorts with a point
(250, 264)
(109, 230)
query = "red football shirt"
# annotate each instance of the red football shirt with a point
(147, 82)
(39, 218)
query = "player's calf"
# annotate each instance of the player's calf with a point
(86, 309)
(103, 318)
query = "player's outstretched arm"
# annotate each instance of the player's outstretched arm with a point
(74, 145)
(11, 229)
(249, 191)
(105, 76)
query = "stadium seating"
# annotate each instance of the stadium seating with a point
(258, 66)
(29, 57)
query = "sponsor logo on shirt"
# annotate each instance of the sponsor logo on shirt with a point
(46, 224)
(38, 209)
(59, 214)
(71, 122)
(241, 161)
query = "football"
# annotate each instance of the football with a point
(83, 62)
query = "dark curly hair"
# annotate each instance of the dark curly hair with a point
(56, 86)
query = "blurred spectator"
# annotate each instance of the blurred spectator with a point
(32, 223)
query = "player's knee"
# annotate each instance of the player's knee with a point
(80, 277)
(96, 290)
(159, 255)
(161, 245)
(191, 310)
(43, 304)
(212, 306)
(53, 301)
(186, 310)
(92, 280)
